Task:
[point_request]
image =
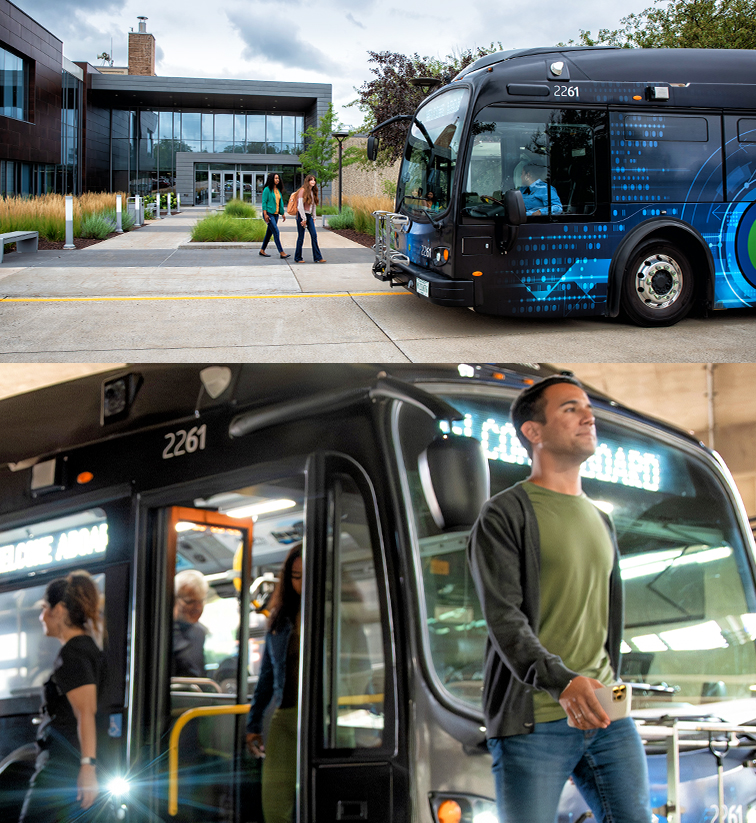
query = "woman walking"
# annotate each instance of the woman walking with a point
(64, 784)
(306, 213)
(272, 206)
(279, 684)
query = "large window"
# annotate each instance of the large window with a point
(690, 611)
(430, 157)
(546, 153)
(13, 86)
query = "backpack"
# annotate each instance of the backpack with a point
(291, 206)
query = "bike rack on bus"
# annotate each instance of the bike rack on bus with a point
(386, 223)
(680, 735)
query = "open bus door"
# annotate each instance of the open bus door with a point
(207, 709)
(352, 766)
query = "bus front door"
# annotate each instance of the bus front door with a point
(349, 750)
(209, 672)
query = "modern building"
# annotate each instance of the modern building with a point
(74, 127)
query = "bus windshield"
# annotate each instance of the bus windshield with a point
(690, 609)
(430, 156)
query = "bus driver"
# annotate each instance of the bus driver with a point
(535, 193)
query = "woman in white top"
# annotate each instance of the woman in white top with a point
(306, 213)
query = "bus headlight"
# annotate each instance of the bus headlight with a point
(440, 256)
(118, 787)
(462, 808)
(750, 815)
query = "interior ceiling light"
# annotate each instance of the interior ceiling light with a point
(265, 507)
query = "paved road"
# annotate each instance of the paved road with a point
(145, 296)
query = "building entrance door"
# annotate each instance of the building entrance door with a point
(248, 186)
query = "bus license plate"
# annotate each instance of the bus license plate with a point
(421, 286)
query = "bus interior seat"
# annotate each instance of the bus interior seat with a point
(517, 173)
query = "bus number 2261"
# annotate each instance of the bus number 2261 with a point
(566, 91)
(185, 442)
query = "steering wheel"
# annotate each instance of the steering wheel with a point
(486, 199)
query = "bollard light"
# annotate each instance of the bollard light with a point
(138, 210)
(69, 223)
(178, 202)
(119, 221)
(168, 203)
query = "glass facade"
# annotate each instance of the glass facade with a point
(14, 84)
(145, 143)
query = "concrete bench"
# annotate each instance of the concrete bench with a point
(25, 241)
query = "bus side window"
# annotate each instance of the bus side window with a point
(573, 167)
(354, 662)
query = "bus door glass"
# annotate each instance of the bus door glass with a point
(690, 605)
(430, 158)
(217, 638)
(37, 554)
(549, 154)
(351, 736)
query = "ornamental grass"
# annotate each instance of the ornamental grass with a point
(222, 228)
(46, 213)
(363, 208)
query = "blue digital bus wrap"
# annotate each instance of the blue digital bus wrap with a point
(639, 199)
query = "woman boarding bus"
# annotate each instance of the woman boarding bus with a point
(143, 472)
(644, 161)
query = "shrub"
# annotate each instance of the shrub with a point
(221, 227)
(238, 208)
(99, 226)
(345, 220)
(46, 212)
(127, 220)
(323, 209)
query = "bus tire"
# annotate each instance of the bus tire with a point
(658, 286)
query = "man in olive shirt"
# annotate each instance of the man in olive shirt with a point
(546, 566)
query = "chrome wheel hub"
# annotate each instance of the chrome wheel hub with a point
(658, 281)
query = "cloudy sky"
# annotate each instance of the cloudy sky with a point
(308, 40)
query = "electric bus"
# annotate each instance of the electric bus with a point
(141, 472)
(640, 199)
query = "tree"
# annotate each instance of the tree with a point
(689, 24)
(320, 156)
(391, 91)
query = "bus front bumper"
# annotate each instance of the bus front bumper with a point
(434, 287)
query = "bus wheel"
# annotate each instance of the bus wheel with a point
(658, 285)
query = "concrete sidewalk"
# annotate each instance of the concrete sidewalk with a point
(146, 296)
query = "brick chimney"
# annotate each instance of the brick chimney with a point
(141, 50)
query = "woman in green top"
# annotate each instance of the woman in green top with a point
(272, 206)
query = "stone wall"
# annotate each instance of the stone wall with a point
(368, 181)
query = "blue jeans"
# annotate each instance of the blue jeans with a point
(607, 765)
(313, 236)
(272, 231)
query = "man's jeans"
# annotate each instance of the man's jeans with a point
(607, 765)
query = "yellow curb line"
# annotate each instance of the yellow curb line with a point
(199, 297)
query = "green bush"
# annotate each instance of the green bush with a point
(99, 226)
(238, 208)
(345, 220)
(328, 209)
(221, 227)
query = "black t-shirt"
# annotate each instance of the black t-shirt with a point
(79, 663)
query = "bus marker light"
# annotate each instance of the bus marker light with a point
(637, 97)
(84, 477)
(477, 274)
(497, 375)
(449, 812)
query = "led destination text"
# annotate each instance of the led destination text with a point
(54, 549)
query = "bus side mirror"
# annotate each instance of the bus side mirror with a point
(515, 207)
(455, 480)
(372, 148)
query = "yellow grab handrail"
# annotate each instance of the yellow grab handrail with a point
(190, 714)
